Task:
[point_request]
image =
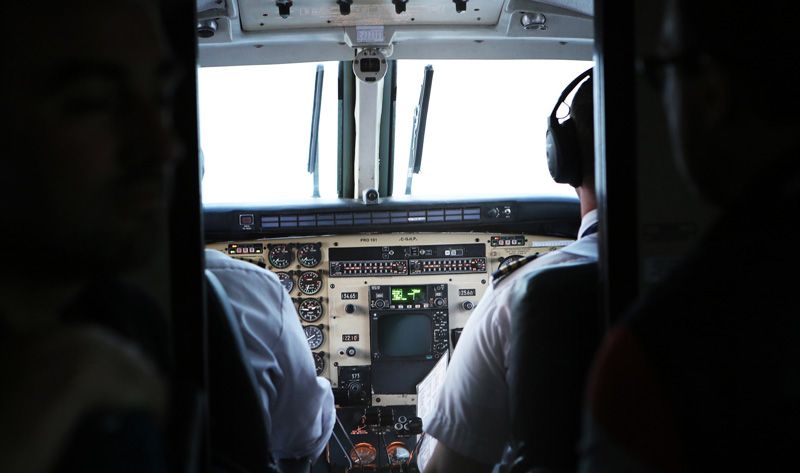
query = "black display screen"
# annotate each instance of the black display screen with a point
(402, 335)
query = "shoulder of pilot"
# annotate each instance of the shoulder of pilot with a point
(512, 270)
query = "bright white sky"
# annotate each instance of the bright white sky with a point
(485, 132)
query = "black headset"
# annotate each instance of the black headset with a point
(563, 151)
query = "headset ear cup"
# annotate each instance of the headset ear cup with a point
(563, 159)
(552, 147)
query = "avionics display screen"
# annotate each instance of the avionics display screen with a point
(408, 294)
(402, 335)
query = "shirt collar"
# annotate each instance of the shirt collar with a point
(587, 221)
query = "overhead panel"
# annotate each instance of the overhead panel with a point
(263, 15)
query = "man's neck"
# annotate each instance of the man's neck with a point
(587, 198)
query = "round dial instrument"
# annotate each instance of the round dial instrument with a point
(314, 336)
(280, 255)
(310, 310)
(286, 280)
(363, 453)
(319, 362)
(397, 453)
(309, 282)
(309, 255)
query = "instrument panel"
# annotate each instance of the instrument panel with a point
(378, 310)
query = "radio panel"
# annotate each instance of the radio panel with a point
(359, 296)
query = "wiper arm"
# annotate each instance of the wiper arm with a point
(418, 127)
(313, 149)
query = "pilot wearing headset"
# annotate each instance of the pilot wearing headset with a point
(472, 421)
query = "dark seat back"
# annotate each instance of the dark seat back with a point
(556, 329)
(238, 429)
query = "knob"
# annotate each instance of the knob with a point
(414, 425)
(467, 305)
(351, 351)
(350, 308)
(438, 302)
(380, 304)
(494, 212)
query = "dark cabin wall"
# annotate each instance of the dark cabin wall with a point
(188, 434)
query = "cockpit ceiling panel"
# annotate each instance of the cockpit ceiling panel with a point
(262, 15)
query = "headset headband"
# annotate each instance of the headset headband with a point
(569, 89)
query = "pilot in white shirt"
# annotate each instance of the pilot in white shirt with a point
(298, 402)
(472, 416)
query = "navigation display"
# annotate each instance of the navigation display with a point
(411, 294)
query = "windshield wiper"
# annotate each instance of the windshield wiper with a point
(313, 149)
(418, 127)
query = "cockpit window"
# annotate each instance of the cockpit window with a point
(485, 129)
(255, 129)
(485, 132)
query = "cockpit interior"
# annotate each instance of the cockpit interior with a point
(314, 118)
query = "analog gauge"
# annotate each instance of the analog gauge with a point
(286, 280)
(310, 310)
(363, 453)
(309, 255)
(309, 282)
(280, 255)
(314, 336)
(319, 362)
(398, 453)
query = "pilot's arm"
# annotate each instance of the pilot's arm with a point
(445, 459)
(300, 404)
(471, 423)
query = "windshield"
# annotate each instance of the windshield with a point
(485, 133)
(255, 128)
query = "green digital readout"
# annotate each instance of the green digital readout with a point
(408, 294)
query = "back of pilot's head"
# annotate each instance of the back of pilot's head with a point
(570, 141)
